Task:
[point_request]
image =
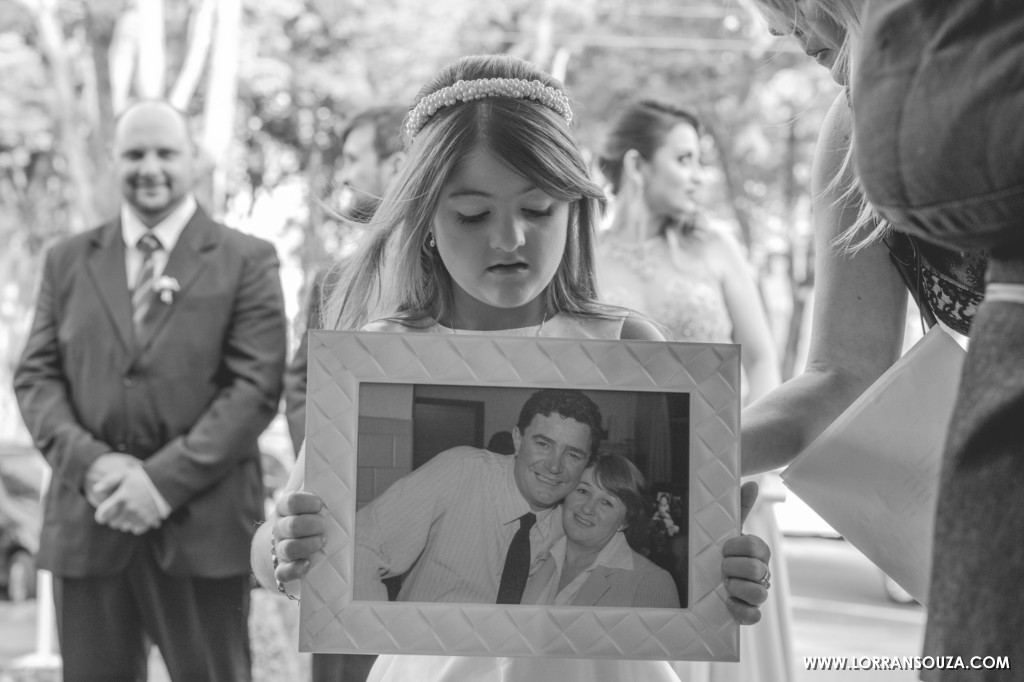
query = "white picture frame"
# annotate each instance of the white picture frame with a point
(341, 362)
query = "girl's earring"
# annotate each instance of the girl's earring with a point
(430, 242)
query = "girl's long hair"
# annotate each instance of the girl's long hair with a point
(395, 274)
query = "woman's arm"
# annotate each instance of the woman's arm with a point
(749, 321)
(857, 331)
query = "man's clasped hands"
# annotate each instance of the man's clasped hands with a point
(123, 494)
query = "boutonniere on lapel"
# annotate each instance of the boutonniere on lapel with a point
(167, 287)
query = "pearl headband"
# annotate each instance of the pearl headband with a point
(467, 91)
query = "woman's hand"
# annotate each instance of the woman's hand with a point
(745, 566)
(298, 533)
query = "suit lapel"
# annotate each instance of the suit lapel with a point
(594, 587)
(185, 263)
(106, 266)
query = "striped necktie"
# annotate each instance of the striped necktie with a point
(517, 563)
(142, 292)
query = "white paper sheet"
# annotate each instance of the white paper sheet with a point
(873, 475)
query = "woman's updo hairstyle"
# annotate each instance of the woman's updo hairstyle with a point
(644, 126)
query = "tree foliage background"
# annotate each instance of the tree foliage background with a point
(269, 84)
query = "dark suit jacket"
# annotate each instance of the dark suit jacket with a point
(189, 400)
(647, 585)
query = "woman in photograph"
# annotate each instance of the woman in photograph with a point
(488, 229)
(598, 562)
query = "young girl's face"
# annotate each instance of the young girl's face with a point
(502, 239)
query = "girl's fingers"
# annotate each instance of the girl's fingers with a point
(299, 526)
(298, 502)
(294, 550)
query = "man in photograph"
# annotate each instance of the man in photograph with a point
(467, 525)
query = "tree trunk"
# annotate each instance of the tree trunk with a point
(799, 265)
(219, 114)
(543, 47)
(152, 71)
(200, 37)
(732, 183)
(66, 110)
(122, 57)
(101, 27)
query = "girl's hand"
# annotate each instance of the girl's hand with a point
(298, 533)
(745, 565)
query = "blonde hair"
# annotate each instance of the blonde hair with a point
(782, 15)
(395, 274)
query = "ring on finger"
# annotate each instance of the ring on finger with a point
(766, 581)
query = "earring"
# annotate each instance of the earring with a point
(430, 242)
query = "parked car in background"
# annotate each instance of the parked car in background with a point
(22, 472)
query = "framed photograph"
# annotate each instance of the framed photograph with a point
(381, 407)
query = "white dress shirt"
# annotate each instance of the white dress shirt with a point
(167, 231)
(542, 587)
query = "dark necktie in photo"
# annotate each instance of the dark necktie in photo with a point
(517, 563)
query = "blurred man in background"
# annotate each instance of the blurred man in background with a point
(371, 156)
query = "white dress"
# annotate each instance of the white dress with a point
(393, 668)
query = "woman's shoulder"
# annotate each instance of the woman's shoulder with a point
(654, 585)
(721, 250)
(713, 236)
(638, 327)
(642, 564)
(606, 322)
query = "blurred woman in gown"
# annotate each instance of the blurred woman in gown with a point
(661, 257)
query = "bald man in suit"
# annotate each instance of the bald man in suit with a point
(154, 362)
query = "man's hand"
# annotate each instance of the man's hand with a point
(105, 474)
(130, 508)
(298, 533)
(745, 565)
